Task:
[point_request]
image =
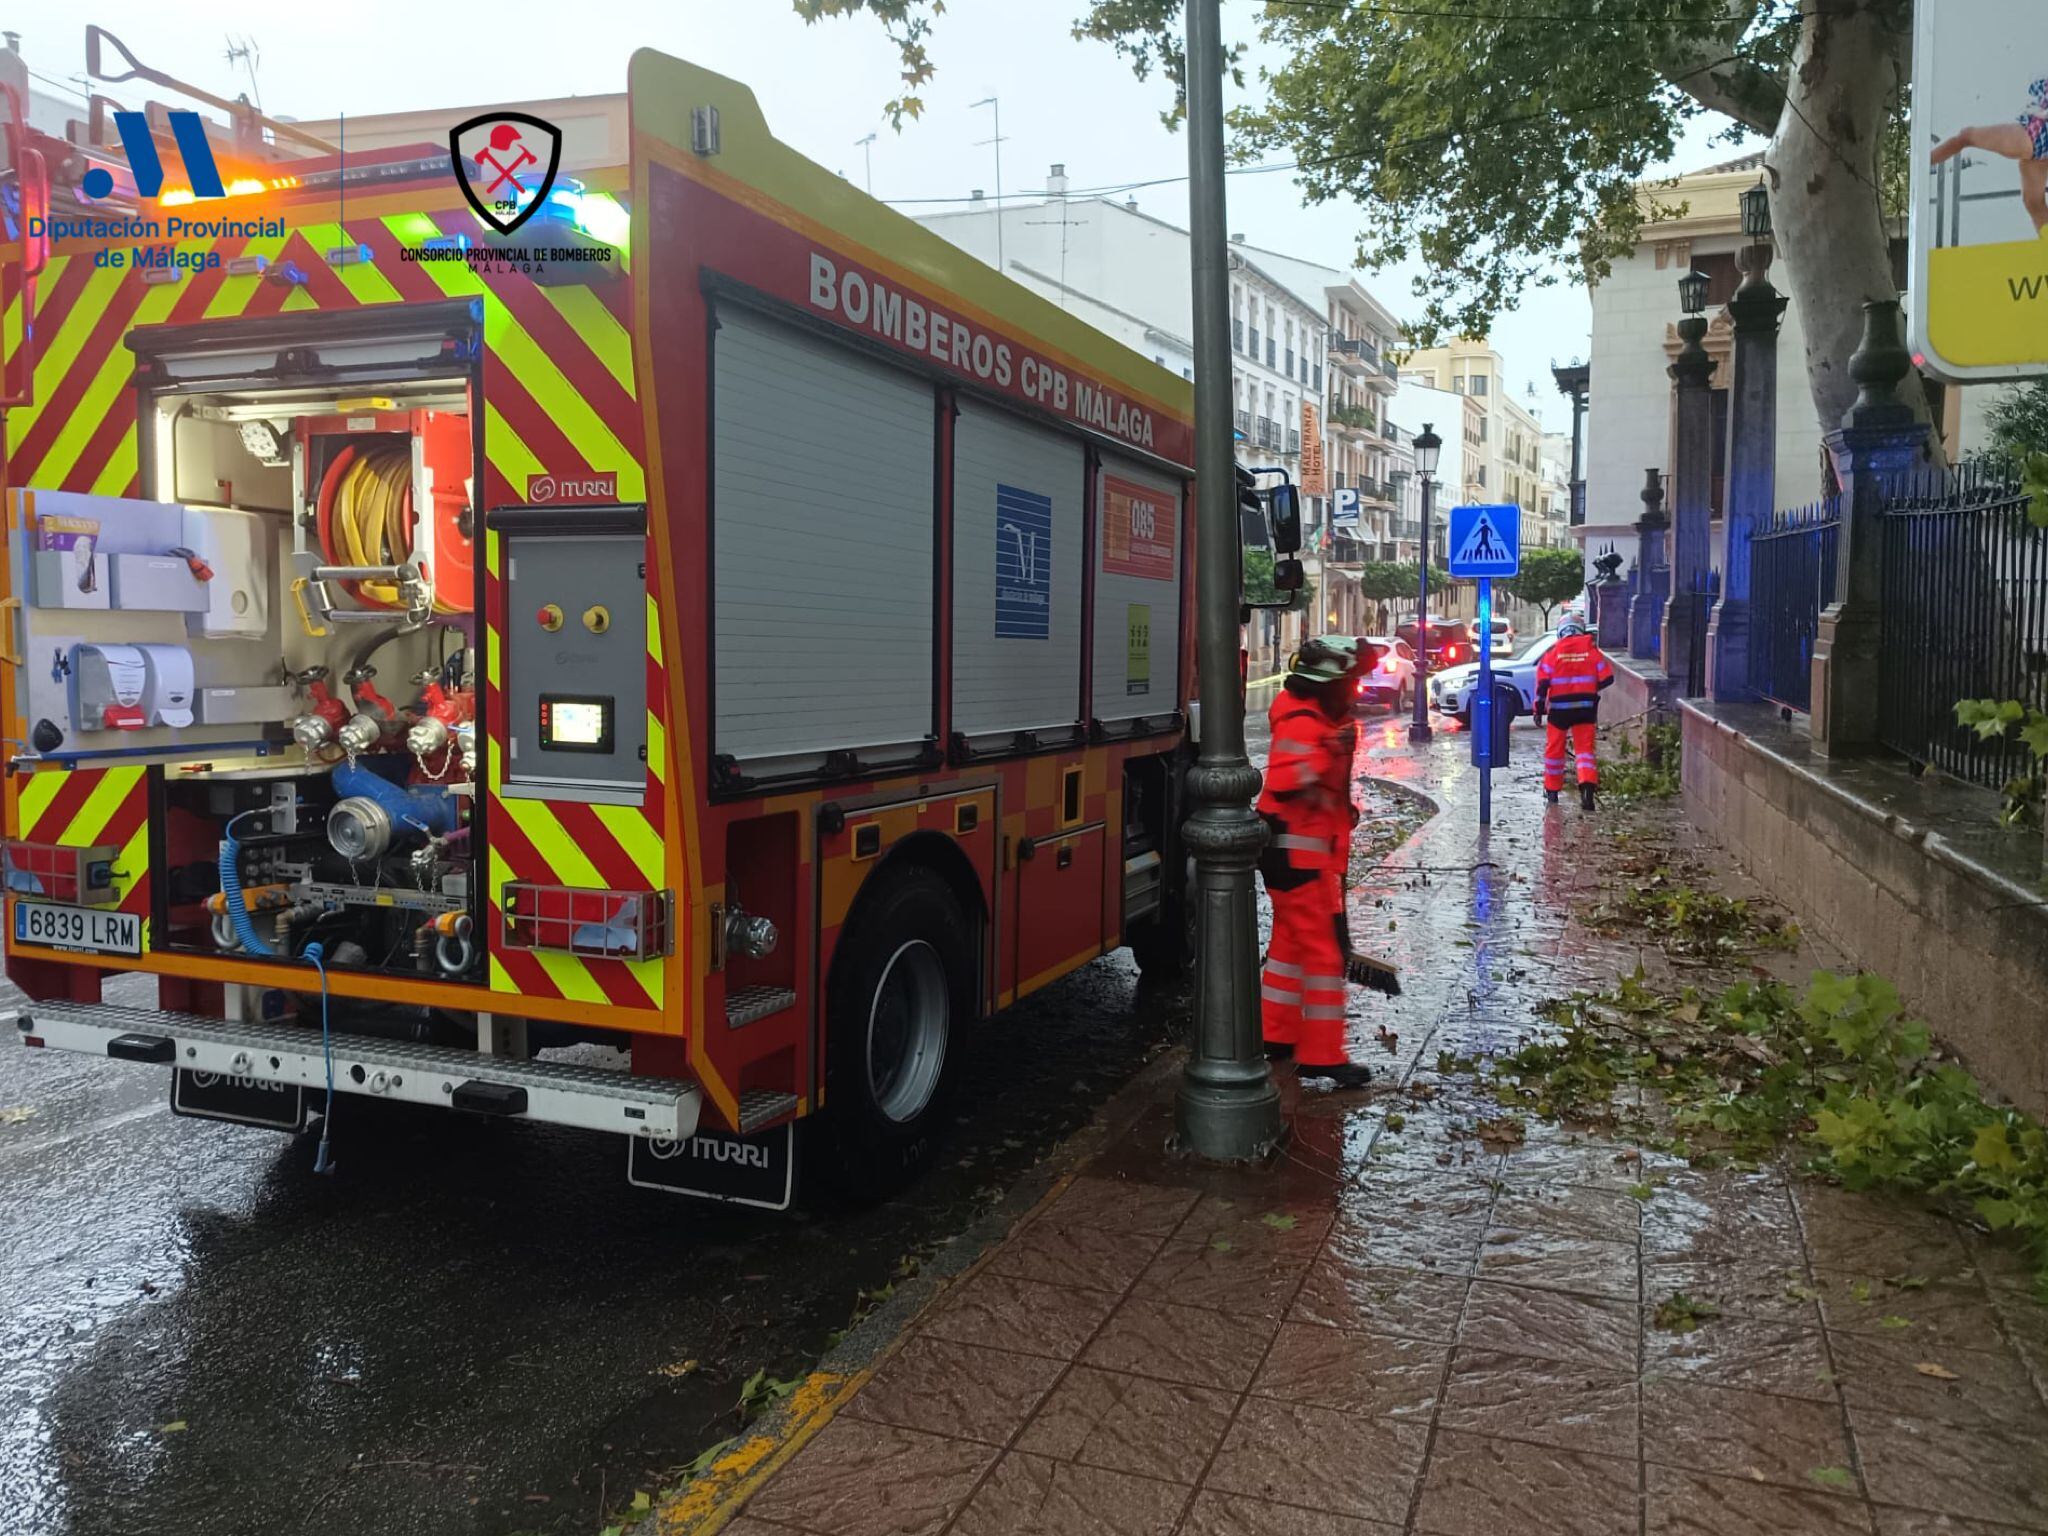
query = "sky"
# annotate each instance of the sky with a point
(822, 89)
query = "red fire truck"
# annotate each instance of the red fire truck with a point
(580, 574)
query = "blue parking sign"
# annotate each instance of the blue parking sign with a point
(1486, 540)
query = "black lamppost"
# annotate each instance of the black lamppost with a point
(1427, 446)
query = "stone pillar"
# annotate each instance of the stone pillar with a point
(1692, 494)
(1646, 612)
(1757, 308)
(1877, 440)
(1610, 612)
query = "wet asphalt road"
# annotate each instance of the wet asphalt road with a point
(464, 1329)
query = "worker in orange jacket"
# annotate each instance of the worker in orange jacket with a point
(1569, 679)
(1306, 804)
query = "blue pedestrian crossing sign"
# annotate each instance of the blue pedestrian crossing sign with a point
(1486, 540)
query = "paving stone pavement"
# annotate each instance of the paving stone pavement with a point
(1409, 1331)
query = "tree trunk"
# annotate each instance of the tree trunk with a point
(1823, 167)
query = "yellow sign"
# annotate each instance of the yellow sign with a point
(1311, 452)
(1138, 648)
(1977, 305)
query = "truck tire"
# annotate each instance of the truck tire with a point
(902, 981)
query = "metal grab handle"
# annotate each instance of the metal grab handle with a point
(137, 70)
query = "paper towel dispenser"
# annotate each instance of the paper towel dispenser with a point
(167, 688)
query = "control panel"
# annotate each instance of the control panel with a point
(575, 678)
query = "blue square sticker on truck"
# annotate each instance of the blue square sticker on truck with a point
(1023, 564)
(87, 928)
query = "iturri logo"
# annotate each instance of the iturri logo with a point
(505, 163)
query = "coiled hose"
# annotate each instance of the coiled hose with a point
(231, 892)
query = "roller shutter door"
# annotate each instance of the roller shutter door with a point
(823, 516)
(1139, 547)
(1017, 493)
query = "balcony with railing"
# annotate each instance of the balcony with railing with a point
(1354, 420)
(1354, 354)
(1244, 425)
(1268, 433)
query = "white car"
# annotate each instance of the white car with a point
(1392, 680)
(1451, 690)
(1503, 636)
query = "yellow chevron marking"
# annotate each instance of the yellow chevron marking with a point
(630, 827)
(599, 328)
(654, 629)
(657, 749)
(366, 285)
(494, 671)
(64, 347)
(131, 863)
(573, 415)
(234, 293)
(32, 797)
(452, 277)
(501, 979)
(570, 865)
(298, 299)
(571, 977)
(120, 467)
(115, 786)
(116, 374)
(508, 454)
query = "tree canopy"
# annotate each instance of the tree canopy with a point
(1490, 137)
(1547, 578)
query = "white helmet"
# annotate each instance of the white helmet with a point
(1569, 627)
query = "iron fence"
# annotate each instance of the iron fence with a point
(1706, 586)
(1964, 616)
(1791, 577)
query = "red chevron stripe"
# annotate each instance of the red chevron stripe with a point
(54, 301)
(200, 288)
(124, 824)
(99, 448)
(619, 983)
(529, 977)
(62, 403)
(565, 346)
(414, 285)
(521, 857)
(66, 803)
(525, 416)
(613, 864)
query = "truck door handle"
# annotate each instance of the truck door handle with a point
(1066, 857)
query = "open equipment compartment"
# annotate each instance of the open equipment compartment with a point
(300, 570)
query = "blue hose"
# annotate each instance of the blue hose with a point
(231, 891)
(323, 1160)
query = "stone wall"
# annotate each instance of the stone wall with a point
(1966, 945)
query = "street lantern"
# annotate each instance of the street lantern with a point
(1427, 446)
(1756, 211)
(1692, 293)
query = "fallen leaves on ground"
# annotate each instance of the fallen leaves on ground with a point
(1938, 1372)
(15, 1114)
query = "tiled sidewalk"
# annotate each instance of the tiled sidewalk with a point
(1411, 1330)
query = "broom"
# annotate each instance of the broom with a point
(1363, 970)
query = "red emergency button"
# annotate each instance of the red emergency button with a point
(551, 617)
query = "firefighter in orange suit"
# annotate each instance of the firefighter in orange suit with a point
(1568, 683)
(1306, 804)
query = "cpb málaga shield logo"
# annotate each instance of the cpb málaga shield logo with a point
(505, 163)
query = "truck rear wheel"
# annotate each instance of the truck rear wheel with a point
(901, 981)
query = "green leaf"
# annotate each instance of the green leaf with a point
(1279, 1221)
(1991, 1149)
(642, 1502)
(175, 1427)
(1833, 1477)
(1894, 1322)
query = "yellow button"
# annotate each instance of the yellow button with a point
(597, 620)
(550, 617)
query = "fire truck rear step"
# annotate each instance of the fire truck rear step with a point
(759, 1106)
(751, 1003)
(559, 1093)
